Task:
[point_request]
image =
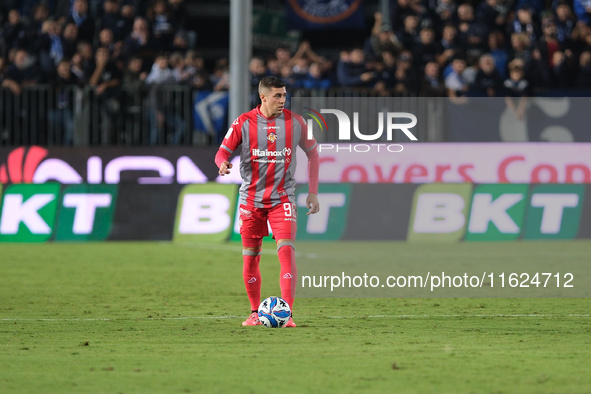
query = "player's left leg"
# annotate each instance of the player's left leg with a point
(289, 273)
(282, 219)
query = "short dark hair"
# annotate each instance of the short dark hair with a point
(271, 82)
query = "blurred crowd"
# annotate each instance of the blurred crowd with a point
(107, 44)
(507, 48)
(424, 47)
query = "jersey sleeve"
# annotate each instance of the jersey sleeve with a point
(232, 140)
(309, 145)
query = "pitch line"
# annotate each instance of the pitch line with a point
(270, 250)
(520, 315)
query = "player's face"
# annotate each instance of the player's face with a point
(273, 101)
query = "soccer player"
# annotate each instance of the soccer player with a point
(270, 135)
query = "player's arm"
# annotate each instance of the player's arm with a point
(310, 147)
(231, 141)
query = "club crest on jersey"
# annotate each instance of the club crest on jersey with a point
(272, 137)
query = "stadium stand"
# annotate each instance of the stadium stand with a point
(125, 72)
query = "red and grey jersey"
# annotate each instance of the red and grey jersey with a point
(268, 155)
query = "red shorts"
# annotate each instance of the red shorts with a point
(281, 217)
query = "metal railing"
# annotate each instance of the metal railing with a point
(44, 115)
(156, 115)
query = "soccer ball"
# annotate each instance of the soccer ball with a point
(274, 312)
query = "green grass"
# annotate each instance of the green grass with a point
(165, 318)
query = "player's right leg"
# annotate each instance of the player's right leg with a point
(253, 227)
(251, 256)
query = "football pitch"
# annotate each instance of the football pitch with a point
(151, 317)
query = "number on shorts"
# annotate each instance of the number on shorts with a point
(289, 209)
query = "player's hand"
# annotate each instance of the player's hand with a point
(312, 203)
(225, 168)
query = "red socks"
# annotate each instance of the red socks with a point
(252, 277)
(289, 272)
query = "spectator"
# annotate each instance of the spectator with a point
(496, 48)
(386, 70)
(81, 17)
(82, 62)
(409, 31)
(161, 21)
(257, 71)
(432, 84)
(182, 73)
(352, 71)
(536, 70)
(194, 60)
(426, 49)
(400, 10)
(449, 45)
(464, 20)
(471, 33)
(455, 82)
(487, 82)
(69, 40)
(524, 23)
(160, 72)
(133, 76)
(314, 79)
(406, 77)
(582, 9)
(520, 47)
(139, 42)
(106, 39)
(273, 66)
(128, 15)
(303, 57)
(382, 39)
(283, 56)
(133, 95)
(106, 80)
(562, 70)
(220, 79)
(181, 41)
(201, 75)
(288, 77)
(548, 43)
(565, 24)
(21, 73)
(300, 67)
(113, 20)
(61, 116)
(35, 26)
(489, 16)
(516, 85)
(162, 116)
(14, 32)
(580, 37)
(49, 47)
(446, 9)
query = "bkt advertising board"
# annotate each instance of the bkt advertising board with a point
(208, 212)
(424, 192)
